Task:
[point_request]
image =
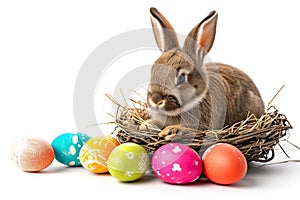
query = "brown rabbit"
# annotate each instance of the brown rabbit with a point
(183, 91)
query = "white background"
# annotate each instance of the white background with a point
(44, 44)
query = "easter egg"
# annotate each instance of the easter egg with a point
(94, 153)
(224, 164)
(67, 147)
(32, 154)
(128, 162)
(176, 163)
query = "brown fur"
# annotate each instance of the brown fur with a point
(184, 92)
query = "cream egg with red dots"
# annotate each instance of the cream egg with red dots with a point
(67, 147)
(32, 154)
(176, 163)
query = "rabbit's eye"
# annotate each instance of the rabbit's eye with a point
(181, 79)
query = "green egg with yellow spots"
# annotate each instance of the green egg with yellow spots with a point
(128, 162)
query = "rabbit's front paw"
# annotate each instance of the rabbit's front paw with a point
(170, 132)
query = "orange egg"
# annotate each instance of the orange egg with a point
(94, 153)
(224, 164)
(32, 154)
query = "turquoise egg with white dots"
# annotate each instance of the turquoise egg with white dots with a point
(67, 147)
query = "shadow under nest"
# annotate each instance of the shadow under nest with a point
(255, 137)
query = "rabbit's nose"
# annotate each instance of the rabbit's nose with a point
(156, 98)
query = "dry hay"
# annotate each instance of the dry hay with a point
(255, 137)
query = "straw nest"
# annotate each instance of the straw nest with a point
(255, 137)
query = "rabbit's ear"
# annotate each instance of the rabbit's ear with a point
(202, 36)
(164, 33)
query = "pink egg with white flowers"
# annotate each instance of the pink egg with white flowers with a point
(176, 163)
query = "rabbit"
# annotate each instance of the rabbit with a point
(186, 92)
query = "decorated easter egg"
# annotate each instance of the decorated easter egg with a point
(32, 154)
(67, 147)
(94, 153)
(176, 163)
(128, 162)
(224, 164)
